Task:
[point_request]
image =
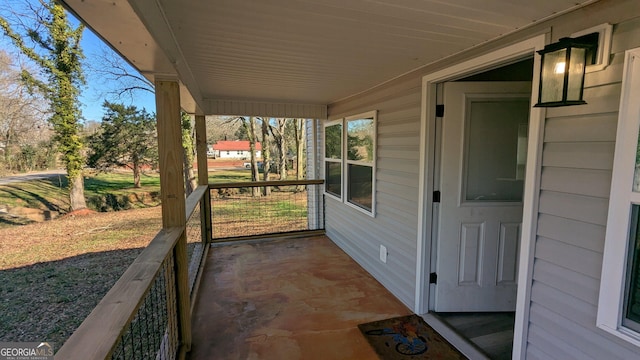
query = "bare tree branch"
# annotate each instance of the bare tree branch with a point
(111, 68)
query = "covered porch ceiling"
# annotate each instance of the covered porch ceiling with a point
(303, 52)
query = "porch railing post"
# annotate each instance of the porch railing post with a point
(316, 208)
(172, 194)
(203, 177)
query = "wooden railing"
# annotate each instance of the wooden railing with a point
(244, 210)
(198, 233)
(139, 318)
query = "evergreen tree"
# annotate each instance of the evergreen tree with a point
(56, 50)
(127, 138)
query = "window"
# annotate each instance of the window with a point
(631, 308)
(333, 159)
(495, 149)
(355, 137)
(619, 302)
(361, 136)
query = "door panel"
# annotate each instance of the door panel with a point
(471, 241)
(483, 143)
(508, 249)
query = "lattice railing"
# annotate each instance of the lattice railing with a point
(250, 209)
(153, 332)
(139, 318)
(196, 213)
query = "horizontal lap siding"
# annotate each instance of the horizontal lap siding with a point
(578, 341)
(396, 222)
(577, 160)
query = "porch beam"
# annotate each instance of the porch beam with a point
(172, 194)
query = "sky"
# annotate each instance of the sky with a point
(92, 99)
(93, 94)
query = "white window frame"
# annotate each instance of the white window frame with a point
(344, 162)
(614, 265)
(345, 169)
(340, 161)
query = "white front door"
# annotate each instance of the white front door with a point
(483, 155)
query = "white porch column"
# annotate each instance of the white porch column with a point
(315, 207)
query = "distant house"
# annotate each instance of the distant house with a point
(235, 149)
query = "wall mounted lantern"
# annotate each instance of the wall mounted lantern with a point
(562, 71)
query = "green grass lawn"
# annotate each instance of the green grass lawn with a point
(224, 176)
(119, 183)
(103, 191)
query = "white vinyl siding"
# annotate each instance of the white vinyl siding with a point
(575, 181)
(619, 274)
(397, 166)
(577, 163)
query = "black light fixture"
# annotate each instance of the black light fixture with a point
(562, 71)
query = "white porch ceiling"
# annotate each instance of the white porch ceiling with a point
(300, 51)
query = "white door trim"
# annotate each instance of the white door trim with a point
(532, 177)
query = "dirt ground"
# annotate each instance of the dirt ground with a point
(73, 235)
(222, 163)
(52, 274)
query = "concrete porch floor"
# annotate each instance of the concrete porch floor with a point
(286, 299)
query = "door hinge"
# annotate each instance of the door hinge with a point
(433, 278)
(439, 110)
(436, 196)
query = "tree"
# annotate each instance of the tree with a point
(55, 47)
(127, 138)
(127, 82)
(21, 115)
(249, 126)
(90, 127)
(242, 132)
(218, 128)
(251, 132)
(266, 152)
(299, 130)
(278, 133)
(188, 135)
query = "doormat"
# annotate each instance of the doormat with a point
(407, 337)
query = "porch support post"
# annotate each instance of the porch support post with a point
(172, 194)
(314, 193)
(203, 177)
